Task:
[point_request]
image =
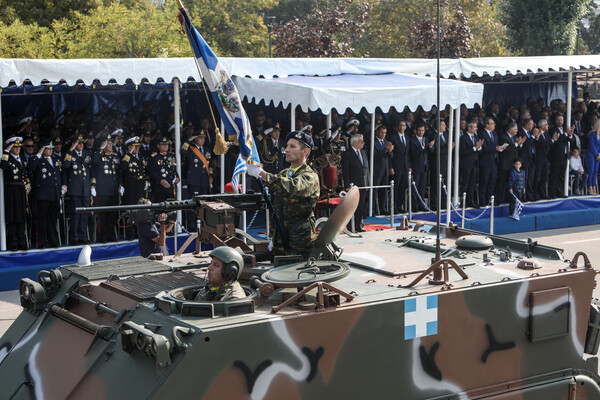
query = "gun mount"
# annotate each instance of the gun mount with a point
(216, 216)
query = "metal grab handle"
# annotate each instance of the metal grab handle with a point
(437, 268)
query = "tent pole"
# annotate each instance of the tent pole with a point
(568, 124)
(2, 215)
(328, 132)
(222, 159)
(177, 113)
(372, 149)
(456, 185)
(292, 117)
(449, 186)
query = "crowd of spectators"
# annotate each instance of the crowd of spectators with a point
(53, 164)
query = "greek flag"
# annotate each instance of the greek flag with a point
(518, 208)
(225, 96)
(420, 317)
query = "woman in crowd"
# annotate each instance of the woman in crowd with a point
(592, 157)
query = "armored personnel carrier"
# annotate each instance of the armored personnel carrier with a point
(375, 315)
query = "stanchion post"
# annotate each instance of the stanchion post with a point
(392, 204)
(409, 195)
(464, 206)
(492, 217)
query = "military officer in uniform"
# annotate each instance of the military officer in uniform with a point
(162, 172)
(337, 143)
(272, 152)
(223, 273)
(133, 173)
(16, 187)
(45, 169)
(296, 192)
(146, 147)
(76, 182)
(198, 171)
(106, 187)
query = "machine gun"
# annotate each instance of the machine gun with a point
(215, 212)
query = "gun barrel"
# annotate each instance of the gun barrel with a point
(243, 202)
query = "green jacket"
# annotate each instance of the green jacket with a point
(229, 291)
(294, 200)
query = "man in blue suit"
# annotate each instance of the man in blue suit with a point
(488, 159)
(470, 148)
(381, 167)
(420, 147)
(400, 164)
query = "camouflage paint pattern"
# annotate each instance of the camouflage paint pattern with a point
(503, 333)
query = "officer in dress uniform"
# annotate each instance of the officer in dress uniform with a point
(117, 140)
(316, 149)
(146, 146)
(162, 172)
(76, 183)
(272, 152)
(45, 169)
(16, 187)
(133, 173)
(197, 166)
(106, 187)
(337, 143)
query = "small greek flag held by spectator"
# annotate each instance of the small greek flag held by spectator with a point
(225, 95)
(518, 208)
(420, 317)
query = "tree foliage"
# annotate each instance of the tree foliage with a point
(540, 27)
(137, 28)
(327, 33)
(388, 27)
(455, 36)
(590, 33)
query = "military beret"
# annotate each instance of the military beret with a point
(302, 137)
(164, 140)
(16, 141)
(56, 141)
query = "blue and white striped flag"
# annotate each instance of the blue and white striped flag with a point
(518, 208)
(225, 95)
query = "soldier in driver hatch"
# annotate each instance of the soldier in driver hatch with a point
(223, 273)
(296, 192)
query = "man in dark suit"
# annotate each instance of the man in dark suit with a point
(355, 170)
(527, 156)
(558, 162)
(381, 167)
(542, 164)
(510, 143)
(400, 164)
(488, 157)
(419, 151)
(470, 147)
(439, 139)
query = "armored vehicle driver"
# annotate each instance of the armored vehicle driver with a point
(223, 273)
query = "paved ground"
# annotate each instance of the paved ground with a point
(586, 238)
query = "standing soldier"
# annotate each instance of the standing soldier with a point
(146, 148)
(106, 187)
(272, 151)
(162, 172)
(296, 192)
(76, 182)
(199, 173)
(45, 169)
(16, 187)
(133, 172)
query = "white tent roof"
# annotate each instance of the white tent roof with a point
(357, 91)
(87, 70)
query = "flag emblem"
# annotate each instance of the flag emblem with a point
(420, 317)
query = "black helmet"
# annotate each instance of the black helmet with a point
(233, 262)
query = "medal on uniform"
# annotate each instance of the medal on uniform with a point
(105, 166)
(44, 170)
(74, 172)
(106, 171)
(75, 166)
(49, 173)
(43, 176)
(162, 170)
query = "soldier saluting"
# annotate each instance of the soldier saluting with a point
(76, 182)
(16, 187)
(46, 168)
(162, 171)
(133, 172)
(106, 187)
(296, 192)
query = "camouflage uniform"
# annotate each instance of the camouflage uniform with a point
(229, 291)
(295, 198)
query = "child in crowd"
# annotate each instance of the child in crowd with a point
(516, 185)
(576, 171)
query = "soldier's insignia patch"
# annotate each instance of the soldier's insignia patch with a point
(420, 317)
(126, 158)
(4, 157)
(290, 173)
